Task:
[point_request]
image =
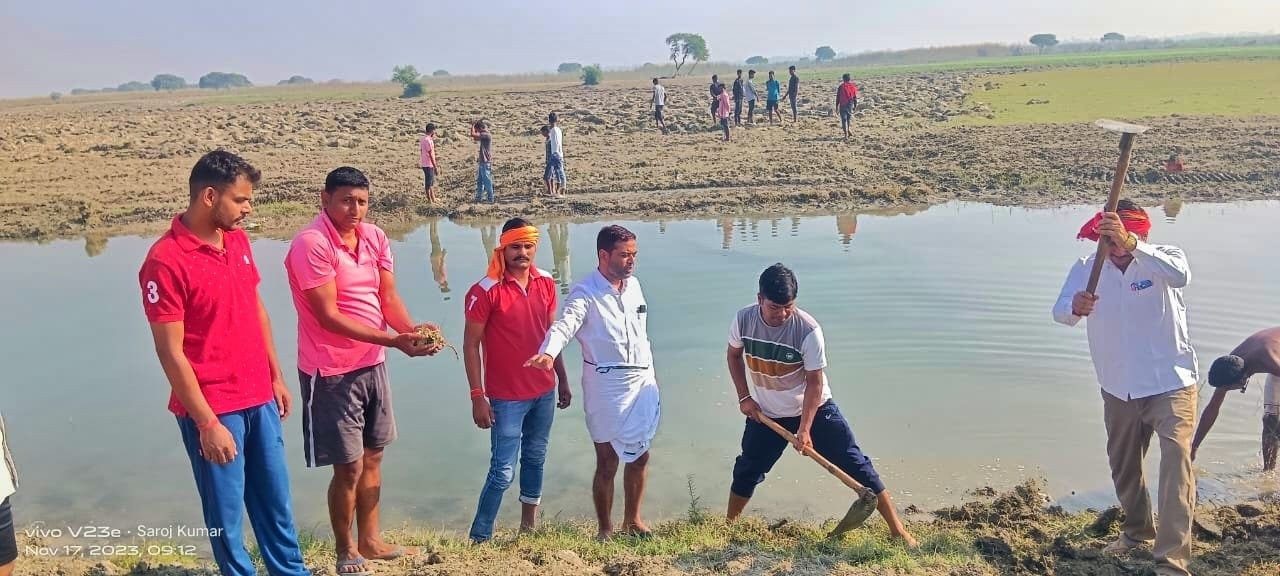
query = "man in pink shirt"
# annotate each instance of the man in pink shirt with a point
(430, 168)
(341, 274)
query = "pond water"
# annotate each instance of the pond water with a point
(942, 354)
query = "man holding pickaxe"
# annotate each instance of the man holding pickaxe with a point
(1147, 369)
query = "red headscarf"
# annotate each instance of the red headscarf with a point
(1135, 221)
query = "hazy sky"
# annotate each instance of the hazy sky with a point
(48, 45)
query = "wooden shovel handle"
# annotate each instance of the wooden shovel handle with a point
(1117, 183)
(810, 452)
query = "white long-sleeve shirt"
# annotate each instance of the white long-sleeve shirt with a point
(1138, 329)
(610, 326)
(8, 474)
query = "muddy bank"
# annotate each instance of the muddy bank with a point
(1016, 532)
(107, 167)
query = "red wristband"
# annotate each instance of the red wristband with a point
(476, 393)
(206, 425)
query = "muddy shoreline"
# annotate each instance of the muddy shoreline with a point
(1011, 533)
(119, 167)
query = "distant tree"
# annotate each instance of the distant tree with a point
(404, 74)
(413, 90)
(108, 89)
(591, 75)
(133, 87)
(168, 82)
(757, 60)
(685, 46)
(1113, 37)
(224, 80)
(1043, 41)
(55, 96)
(441, 72)
(296, 81)
(569, 68)
(80, 91)
(824, 54)
(804, 60)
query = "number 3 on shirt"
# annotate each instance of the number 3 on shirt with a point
(153, 292)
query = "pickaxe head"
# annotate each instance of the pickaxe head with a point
(1121, 127)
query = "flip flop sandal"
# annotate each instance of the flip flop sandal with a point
(357, 563)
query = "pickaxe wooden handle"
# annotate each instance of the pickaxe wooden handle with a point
(810, 452)
(1128, 133)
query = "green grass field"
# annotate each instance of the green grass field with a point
(1223, 88)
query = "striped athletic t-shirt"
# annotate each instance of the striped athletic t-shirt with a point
(778, 357)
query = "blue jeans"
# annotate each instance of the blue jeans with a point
(259, 465)
(484, 182)
(520, 428)
(555, 169)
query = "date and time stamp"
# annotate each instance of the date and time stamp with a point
(99, 541)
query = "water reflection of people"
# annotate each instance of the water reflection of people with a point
(94, 245)
(846, 226)
(488, 237)
(726, 228)
(438, 253)
(773, 225)
(1172, 207)
(795, 225)
(559, 233)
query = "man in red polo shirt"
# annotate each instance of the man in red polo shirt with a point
(340, 272)
(508, 313)
(213, 337)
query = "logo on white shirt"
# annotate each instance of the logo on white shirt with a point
(1140, 286)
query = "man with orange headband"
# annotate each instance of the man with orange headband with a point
(508, 313)
(1147, 369)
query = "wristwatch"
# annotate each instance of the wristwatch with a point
(1131, 243)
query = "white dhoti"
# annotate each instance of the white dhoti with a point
(622, 407)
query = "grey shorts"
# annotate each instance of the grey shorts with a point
(344, 414)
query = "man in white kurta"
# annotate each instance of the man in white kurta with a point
(607, 314)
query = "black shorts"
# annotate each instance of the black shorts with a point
(344, 414)
(771, 105)
(429, 176)
(8, 536)
(832, 438)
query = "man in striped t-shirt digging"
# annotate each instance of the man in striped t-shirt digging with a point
(782, 347)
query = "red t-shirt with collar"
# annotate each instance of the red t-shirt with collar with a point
(214, 293)
(516, 320)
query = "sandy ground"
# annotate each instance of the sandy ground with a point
(86, 167)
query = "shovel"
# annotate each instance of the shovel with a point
(1127, 133)
(861, 508)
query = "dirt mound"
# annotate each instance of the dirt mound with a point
(1019, 533)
